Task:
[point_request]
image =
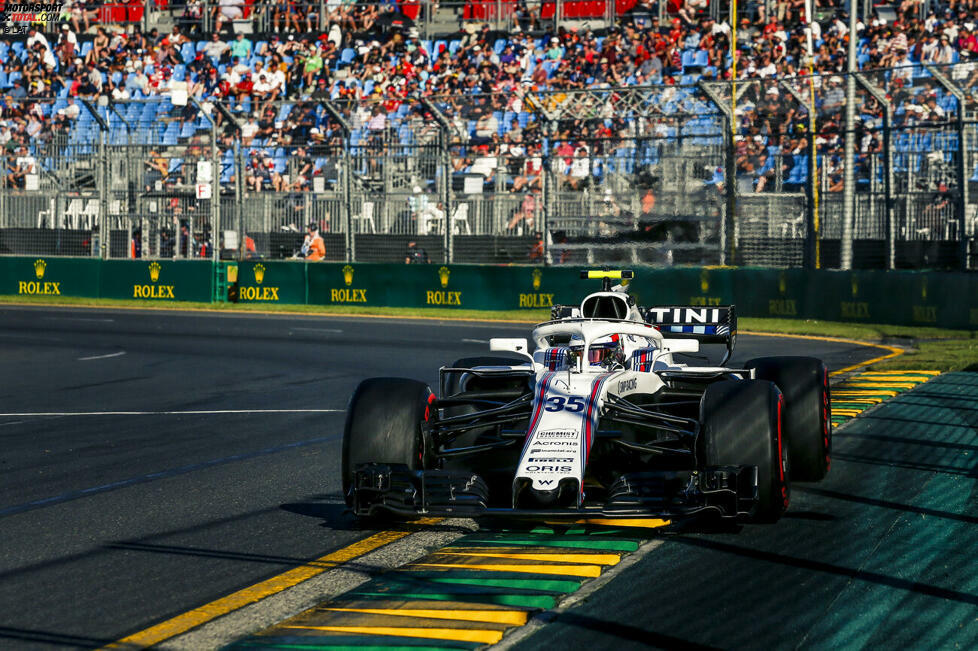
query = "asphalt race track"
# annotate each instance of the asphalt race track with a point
(111, 523)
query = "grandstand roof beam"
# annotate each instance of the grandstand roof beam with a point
(717, 99)
(102, 124)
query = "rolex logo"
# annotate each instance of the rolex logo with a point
(537, 278)
(154, 271)
(782, 283)
(443, 275)
(923, 288)
(259, 270)
(348, 275)
(39, 267)
(704, 281)
(855, 287)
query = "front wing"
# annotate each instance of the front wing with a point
(727, 492)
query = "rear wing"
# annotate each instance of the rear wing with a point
(708, 325)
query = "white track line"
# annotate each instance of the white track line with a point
(331, 330)
(195, 412)
(76, 318)
(86, 359)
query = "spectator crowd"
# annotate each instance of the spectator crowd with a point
(372, 60)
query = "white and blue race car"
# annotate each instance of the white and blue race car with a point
(600, 419)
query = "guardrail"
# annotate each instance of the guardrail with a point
(945, 299)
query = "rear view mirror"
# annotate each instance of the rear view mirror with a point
(504, 345)
(681, 345)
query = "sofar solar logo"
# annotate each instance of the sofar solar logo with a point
(16, 17)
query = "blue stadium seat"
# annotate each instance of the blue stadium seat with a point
(172, 134)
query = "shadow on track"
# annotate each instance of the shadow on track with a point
(831, 568)
(886, 504)
(45, 637)
(632, 634)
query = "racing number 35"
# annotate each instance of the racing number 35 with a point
(559, 403)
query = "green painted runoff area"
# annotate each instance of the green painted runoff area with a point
(916, 585)
(944, 299)
(904, 487)
(469, 588)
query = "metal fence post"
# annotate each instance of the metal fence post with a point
(548, 186)
(239, 196)
(961, 165)
(849, 157)
(3, 192)
(215, 192)
(101, 183)
(962, 198)
(444, 145)
(888, 202)
(727, 239)
(351, 251)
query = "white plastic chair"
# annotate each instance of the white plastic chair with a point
(366, 217)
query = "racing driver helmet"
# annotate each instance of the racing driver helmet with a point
(605, 352)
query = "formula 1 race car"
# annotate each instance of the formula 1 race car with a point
(599, 420)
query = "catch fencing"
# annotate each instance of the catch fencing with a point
(706, 173)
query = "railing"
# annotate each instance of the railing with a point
(643, 174)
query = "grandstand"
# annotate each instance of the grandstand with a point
(606, 130)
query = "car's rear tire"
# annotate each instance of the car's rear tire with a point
(383, 425)
(804, 383)
(741, 426)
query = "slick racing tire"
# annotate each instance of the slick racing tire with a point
(383, 425)
(804, 383)
(741, 426)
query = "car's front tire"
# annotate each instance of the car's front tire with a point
(383, 425)
(804, 382)
(741, 426)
